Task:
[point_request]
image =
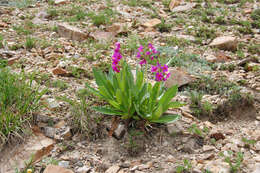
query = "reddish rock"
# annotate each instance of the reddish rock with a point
(59, 71)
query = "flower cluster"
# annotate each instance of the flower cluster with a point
(116, 58)
(147, 54)
(161, 72)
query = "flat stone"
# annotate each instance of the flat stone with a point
(37, 145)
(175, 128)
(71, 32)
(208, 148)
(113, 169)
(56, 169)
(184, 7)
(102, 36)
(217, 166)
(225, 43)
(186, 37)
(152, 23)
(178, 77)
(257, 168)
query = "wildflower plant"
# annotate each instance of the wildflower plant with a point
(134, 97)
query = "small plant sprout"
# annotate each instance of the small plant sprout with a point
(136, 98)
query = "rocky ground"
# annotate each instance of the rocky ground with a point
(214, 47)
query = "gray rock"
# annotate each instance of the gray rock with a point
(49, 132)
(64, 164)
(84, 169)
(119, 132)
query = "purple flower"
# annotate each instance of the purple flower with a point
(164, 68)
(152, 58)
(154, 68)
(117, 55)
(138, 55)
(148, 53)
(116, 58)
(158, 76)
(150, 45)
(142, 62)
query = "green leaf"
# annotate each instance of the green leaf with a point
(99, 77)
(93, 91)
(105, 93)
(174, 105)
(158, 112)
(167, 97)
(102, 80)
(166, 119)
(107, 110)
(119, 96)
(139, 79)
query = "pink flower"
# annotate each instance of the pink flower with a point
(154, 51)
(116, 58)
(141, 48)
(154, 68)
(115, 68)
(164, 68)
(158, 76)
(142, 62)
(152, 58)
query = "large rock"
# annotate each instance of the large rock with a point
(56, 169)
(36, 145)
(178, 77)
(71, 32)
(225, 43)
